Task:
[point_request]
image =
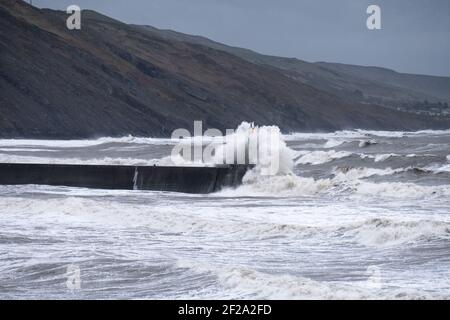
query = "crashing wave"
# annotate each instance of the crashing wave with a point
(333, 143)
(366, 143)
(383, 157)
(320, 157)
(86, 142)
(346, 181)
(387, 232)
(263, 147)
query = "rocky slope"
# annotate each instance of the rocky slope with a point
(113, 79)
(336, 78)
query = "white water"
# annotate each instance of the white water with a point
(344, 222)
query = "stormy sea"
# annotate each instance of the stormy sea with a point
(360, 215)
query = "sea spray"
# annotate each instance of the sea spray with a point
(263, 147)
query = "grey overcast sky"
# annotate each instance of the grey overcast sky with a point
(415, 35)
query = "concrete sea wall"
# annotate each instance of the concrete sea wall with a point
(177, 179)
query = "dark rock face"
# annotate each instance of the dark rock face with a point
(113, 79)
(357, 83)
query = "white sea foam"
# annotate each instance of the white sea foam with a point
(361, 134)
(247, 283)
(244, 282)
(320, 157)
(355, 174)
(348, 181)
(86, 142)
(388, 232)
(26, 150)
(75, 209)
(166, 161)
(346, 134)
(383, 157)
(401, 190)
(400, 134)
(438, 168)
(355, 134)
(333, 143)
(366, 143)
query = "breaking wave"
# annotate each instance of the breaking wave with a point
(440, 168)
(343, 181)
(320, 157)
(346, 182)
(361, 134)
(85, 142)
(387, 232)
(383, 157)
(333, 143)
(243, 282)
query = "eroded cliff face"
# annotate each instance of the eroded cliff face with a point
(113, 79)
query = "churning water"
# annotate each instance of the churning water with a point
(363, 215)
